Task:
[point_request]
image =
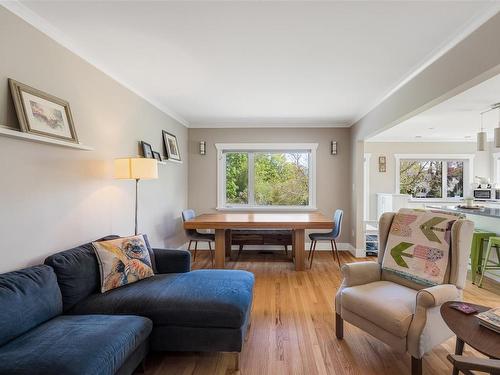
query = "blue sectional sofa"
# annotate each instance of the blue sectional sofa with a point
(203, 310)
(35, 339)
(54, 320)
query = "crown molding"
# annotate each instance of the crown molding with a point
(268, 123)
(421, 140)
(41, 24)
(473, 24)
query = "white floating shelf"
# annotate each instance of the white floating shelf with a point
(165, 160)
(12, 133)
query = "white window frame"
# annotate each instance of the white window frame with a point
(468, 172)
(221, 175)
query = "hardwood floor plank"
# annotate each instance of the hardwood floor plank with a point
(293, 330)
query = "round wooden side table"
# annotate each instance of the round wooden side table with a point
(470, 332)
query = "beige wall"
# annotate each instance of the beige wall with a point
(52, 198)
(333, 173)
(385, 182)
(470, 62)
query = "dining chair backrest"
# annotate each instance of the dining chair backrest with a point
(188, 215)
(337, 219)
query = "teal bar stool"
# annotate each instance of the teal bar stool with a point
(492, 242)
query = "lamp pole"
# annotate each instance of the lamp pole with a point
(136, 188)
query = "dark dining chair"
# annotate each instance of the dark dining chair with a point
(329, 236)
(467, 365)
(194, 236)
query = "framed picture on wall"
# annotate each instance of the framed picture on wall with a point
(171, 146)
(41, 113)
(157, 155)
(147, 150)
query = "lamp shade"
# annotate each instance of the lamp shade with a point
(136, 168)
(497, 137)
(481, 141)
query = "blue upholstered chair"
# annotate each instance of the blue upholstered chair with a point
(329, 236)
(194, 236)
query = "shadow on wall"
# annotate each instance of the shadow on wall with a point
(172, 224)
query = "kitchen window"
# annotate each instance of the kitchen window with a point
(440, 177)
(266, 176)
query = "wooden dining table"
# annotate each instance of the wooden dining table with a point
(297, 222)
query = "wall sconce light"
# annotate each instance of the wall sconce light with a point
(382, 164)
(333, 147)
(203, 147)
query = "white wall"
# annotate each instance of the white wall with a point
(385, 182)
(53, 198)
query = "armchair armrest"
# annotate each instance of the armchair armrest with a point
(172, 261)
(428, 329)
(360, 273)
(437, 295)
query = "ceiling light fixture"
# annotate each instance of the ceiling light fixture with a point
(497, 129)
(481, 137)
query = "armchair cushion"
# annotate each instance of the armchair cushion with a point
(388, 305)
(172, 261)
(360, 273)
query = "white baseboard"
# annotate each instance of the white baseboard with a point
(321, 246)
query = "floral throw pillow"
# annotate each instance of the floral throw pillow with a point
(122, 261)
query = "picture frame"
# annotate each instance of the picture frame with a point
(147, 150)
(382, 164)
(171, 145)
(157, 155)
(42, 114)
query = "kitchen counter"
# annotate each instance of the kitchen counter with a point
(485, 211)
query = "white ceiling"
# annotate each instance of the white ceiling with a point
(258, 63)
(457, 119)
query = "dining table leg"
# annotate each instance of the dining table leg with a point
(220, 248)
(299, 249)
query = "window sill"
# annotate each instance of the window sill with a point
(267, 209)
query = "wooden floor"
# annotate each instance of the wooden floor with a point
(292, 329)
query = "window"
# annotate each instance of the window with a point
(266, 176)
(434, 177)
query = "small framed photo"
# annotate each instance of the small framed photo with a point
(382, 164)
(157, 155)
(171, 146)
(41, 113)
(147, 150)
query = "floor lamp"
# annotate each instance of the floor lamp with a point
(136, 169)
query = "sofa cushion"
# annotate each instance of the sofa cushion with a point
(388, 305)
(122, 261)
(79, 345)
(28, 298)
(77, 271)
(203, 298)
